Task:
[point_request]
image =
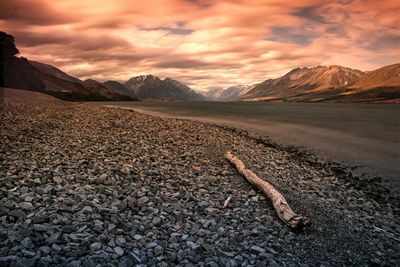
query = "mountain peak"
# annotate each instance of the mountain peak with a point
(152, 87)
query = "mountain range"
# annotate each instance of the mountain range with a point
(320, 84)
(316, 84)
(22, 73)
(330, 84)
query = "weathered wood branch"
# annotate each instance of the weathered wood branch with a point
(285, 213)
(227, 201)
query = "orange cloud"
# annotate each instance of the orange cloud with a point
(203, 43)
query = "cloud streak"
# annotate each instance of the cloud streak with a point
(203, 43)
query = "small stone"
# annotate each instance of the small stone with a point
(57, 179)
(289, 237)
(158, 250)
(27, 243)
(207, 247)
(75, 263)
(111, 243)
(192, 245)
(87, 209)
(256, 249)
(125, 262)
(156, 221)
(120, 241)
(56, 248)
(111, 227)
(137, 237)
(119, 251)
(95, 246)
(40, 228)
(134, 257)
(26, 205)
(28, 199)
(211, 210)
(16, 213)
(151, 245)
(103, 177)
(28, 253)
(41, 218)
(45, 249)
(268, 256)
(142, 201)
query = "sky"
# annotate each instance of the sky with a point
(206, 43)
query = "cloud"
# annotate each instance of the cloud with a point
(203, 43)
(38, 12)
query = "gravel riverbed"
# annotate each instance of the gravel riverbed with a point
(86, 185)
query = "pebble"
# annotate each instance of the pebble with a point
(26, 206)
(158, 250)
(95, 246)
(257, 249)
(120, 241)
(119, 251)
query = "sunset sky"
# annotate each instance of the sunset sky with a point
(203, 43)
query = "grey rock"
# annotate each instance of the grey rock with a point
(137, 237)
(95, 246)
(256, 249)
(126, 262)
(87, 209)
(45, 249)
(57, 179)
(142, 201)
(156, 220)
(120, 241)
(26, 205)
(119, 251)
(158, 250)
(27, 243)
(56, 248)
(17, 213)
(40, 228)
(28, 253)
(151, 245)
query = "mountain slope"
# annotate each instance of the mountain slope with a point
(228, 94)
(152, 87)
(119, 88)
(300, 82)
(388, 76)
(212, 93)
(64, 86)
(21, 73)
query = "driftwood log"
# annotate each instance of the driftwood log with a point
(285, 213)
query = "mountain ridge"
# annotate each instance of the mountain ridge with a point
(152, 87)
(329, 84)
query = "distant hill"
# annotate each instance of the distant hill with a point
(227, 94)
(330, 84)
(152, 87)
(64, 86)
(21, 73)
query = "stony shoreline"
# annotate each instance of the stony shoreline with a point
(83, 185)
